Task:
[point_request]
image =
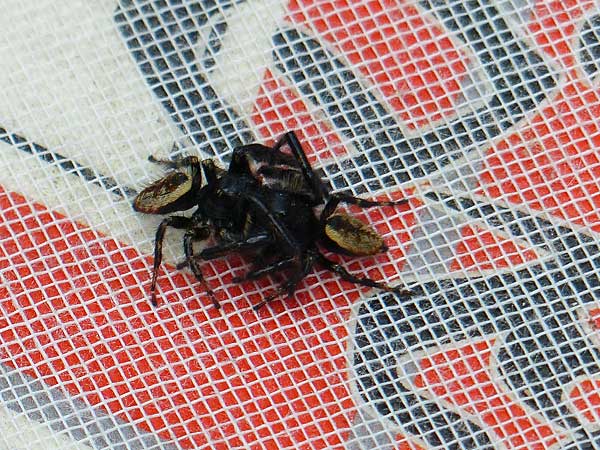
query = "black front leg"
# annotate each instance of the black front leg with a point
(178, 222)
(174, 164)
(250, 243)
(290, 286)
(268, 269)
(339, 270)
(318, 188)
(196, 234)
(275, 225)
(337, 198)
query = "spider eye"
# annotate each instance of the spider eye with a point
(170, 193)
(353, 236)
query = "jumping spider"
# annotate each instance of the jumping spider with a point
(263, 205)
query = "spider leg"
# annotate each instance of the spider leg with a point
(337, 198)
(178, 222)
(266, 270)
(339, 270)
(254, 241)
(187, 161)
(319, 190)
(275, 225)
(290, 286)
(363, 203)
(198, 233)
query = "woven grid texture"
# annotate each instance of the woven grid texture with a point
(483, 115)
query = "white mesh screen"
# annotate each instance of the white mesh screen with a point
(483, 114)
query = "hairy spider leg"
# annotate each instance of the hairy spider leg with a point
(178, 222)
(340, 271)
(257, 241)
(318, 188)
(268, 269)
(275, 226)
(217, 251)
(291, 285)
(198, 233)
(337, 198)
(186, 161)
(220, 250)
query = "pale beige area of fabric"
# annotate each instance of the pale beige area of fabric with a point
(18, 432)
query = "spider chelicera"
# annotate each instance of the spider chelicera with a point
(263, 205)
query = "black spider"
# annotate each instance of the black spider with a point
(262, 205)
